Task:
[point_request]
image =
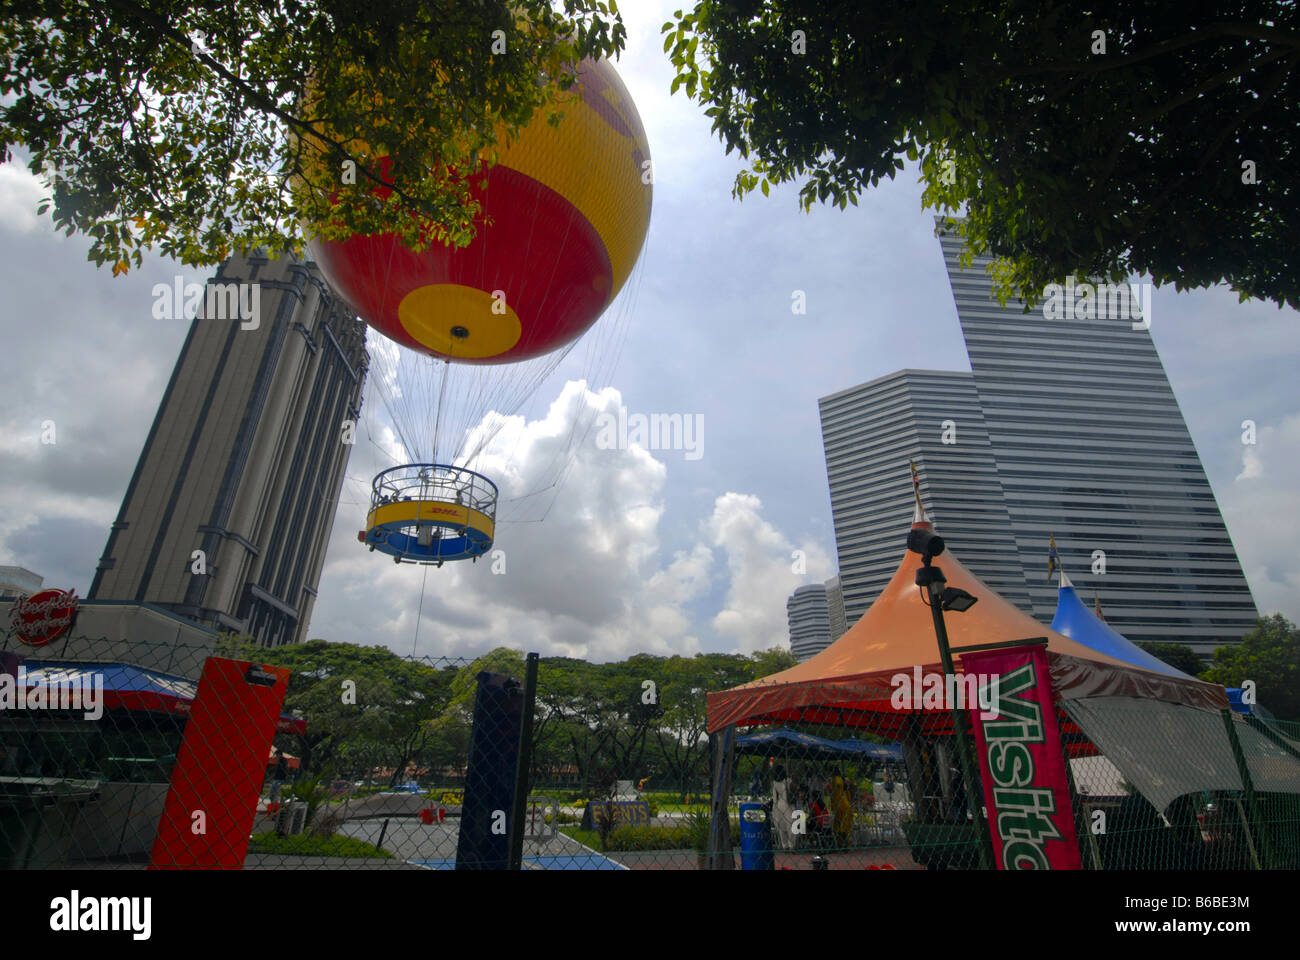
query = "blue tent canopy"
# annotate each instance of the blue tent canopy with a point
(785, 742)
(1076, 621)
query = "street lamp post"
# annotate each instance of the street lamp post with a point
(938, 598)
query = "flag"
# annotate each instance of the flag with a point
(1096, 607)
(916, 490)
(1052, 558)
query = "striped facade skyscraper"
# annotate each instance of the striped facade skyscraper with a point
(1066, 427)
(871, 432)
(835, 607)
(807, 612)
(1092, 448)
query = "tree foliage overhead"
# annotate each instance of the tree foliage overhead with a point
(197, 128)
(1066, 159)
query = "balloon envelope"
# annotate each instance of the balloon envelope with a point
(567, 209)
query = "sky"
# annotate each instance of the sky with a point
(637, 550)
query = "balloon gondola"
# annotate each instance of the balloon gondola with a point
(431, 513)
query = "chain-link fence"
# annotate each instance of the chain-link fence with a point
(331, 755)
(1167, 787)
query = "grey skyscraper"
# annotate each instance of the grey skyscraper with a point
(809, 619)
(1092, 447)
(871, 432)
(228, 514)
(1067, 427)
(835, 607)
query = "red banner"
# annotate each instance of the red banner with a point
(1021, 764)
(212, 803)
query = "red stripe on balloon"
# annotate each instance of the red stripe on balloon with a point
(539, 250)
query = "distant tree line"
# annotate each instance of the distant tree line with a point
(368, 709)
(643, 718)
(1269, 656)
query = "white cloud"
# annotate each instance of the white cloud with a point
(1260, 507)
(20, 194)
(1251, 466)
(592, 579)
(762, 566)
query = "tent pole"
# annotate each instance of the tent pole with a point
(722, 761)
(1082, 827)
(961, 732)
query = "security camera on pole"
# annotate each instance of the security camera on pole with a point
(939, 598)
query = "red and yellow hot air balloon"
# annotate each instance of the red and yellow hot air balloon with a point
(565, 211)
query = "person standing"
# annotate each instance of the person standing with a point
(841, 810)
(782, 810)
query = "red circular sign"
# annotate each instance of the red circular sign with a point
(42, 617)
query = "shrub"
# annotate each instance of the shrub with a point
(697, 829)
(634, 838)
(648, 838)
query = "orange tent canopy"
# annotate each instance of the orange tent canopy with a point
(849, 683)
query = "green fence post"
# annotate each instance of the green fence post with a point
(1248, 785)
(523, 765)
(1081, 826)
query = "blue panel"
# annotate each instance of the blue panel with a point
(757, 742)
(388, 538)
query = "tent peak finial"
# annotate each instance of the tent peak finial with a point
(918, 515)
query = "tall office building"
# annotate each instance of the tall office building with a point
(228, 514)
(1092, 447)
(1064, 427)
(835, 608)
(871, 432)
(809, 619)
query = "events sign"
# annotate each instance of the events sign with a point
(1021, 763)
(626, 813)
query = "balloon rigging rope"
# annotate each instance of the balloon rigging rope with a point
(420, 610)
(437, 419)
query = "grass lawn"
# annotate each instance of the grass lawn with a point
(304, 845)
